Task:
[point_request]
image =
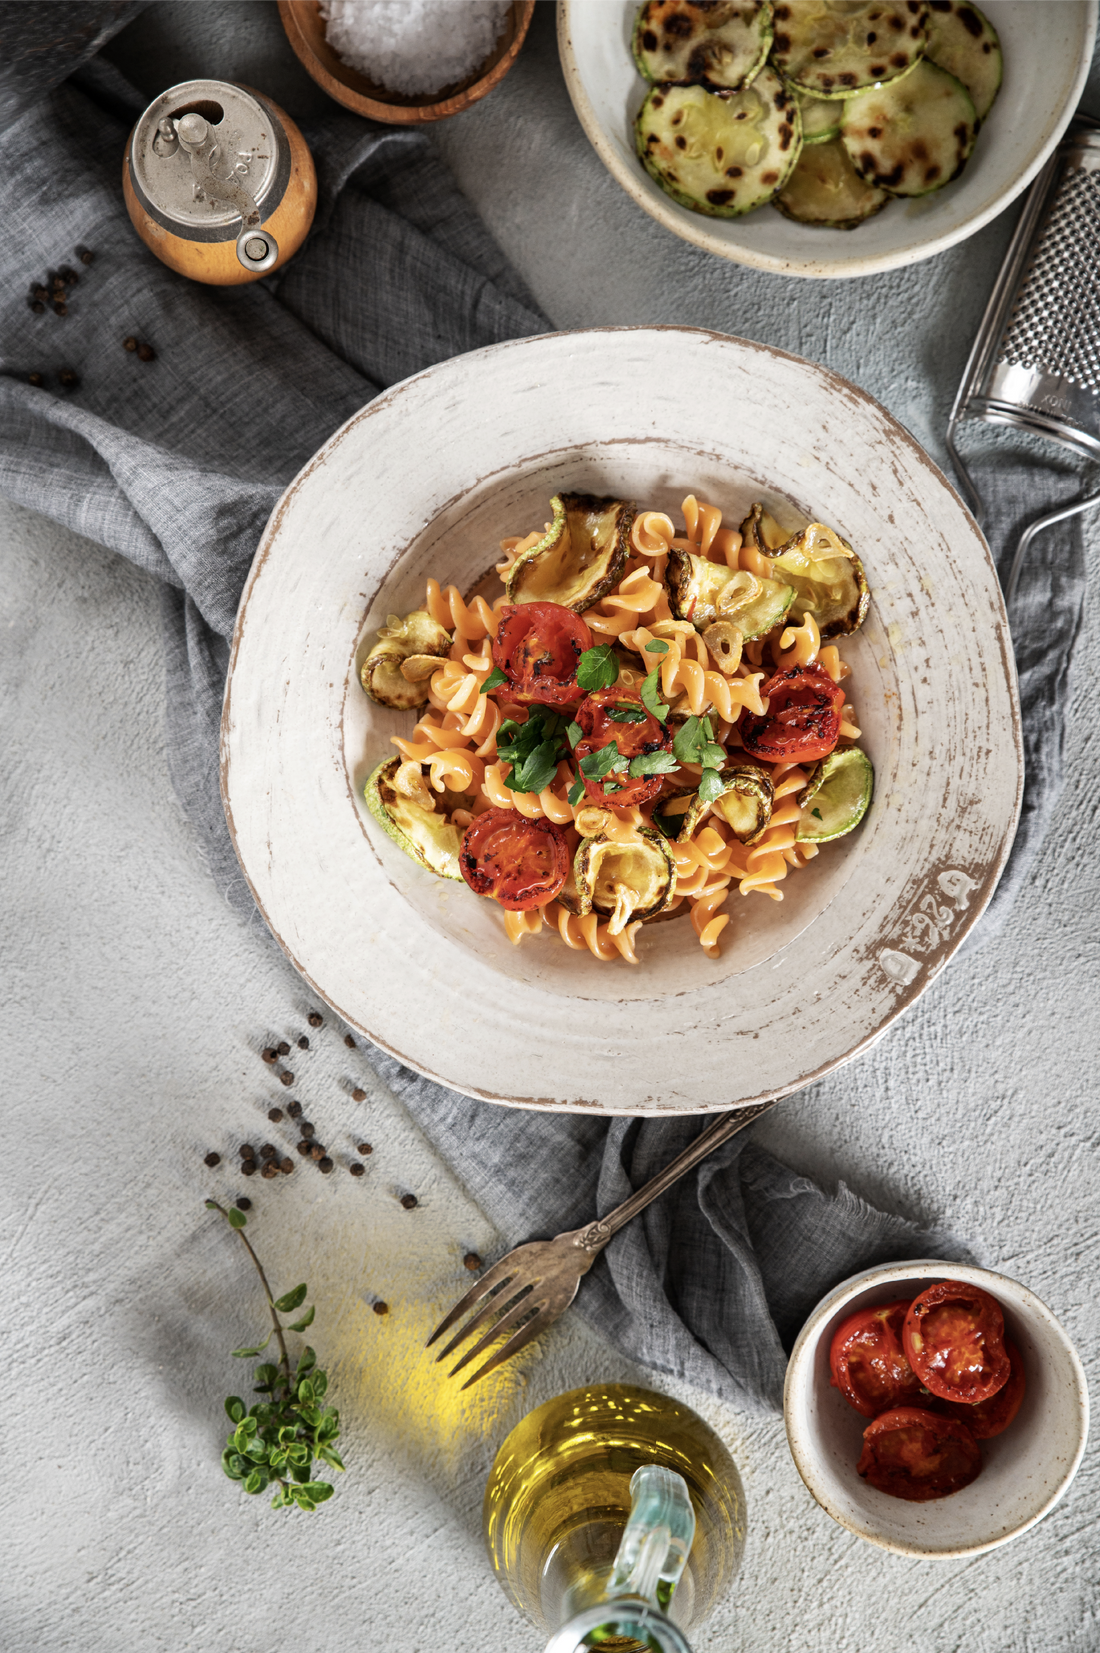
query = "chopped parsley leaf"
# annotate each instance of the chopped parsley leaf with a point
(653, 763)
(817, 813)
(534, 749)
(651, 695)
(711, 785)
(598, 668)
(575, 793)
(598, 764)
(656, 647)
(573, 733)
(626, 714)
(495, 678)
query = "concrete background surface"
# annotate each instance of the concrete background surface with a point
(136, 1005)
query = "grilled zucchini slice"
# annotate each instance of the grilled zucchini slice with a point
(398, 667)
(913, 136)
(745, 804)
(427, 838)
(720, 153)
(579, 559)
(625, 880)
(820, 118)
(836, 797)
(718, 43)
(827, 577)
(964, 42)
(832, 48)
(825, 189)
(704, 592)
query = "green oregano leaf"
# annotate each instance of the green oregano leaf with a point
(235, 1408)
(237, 1219)
(244, 1354)
(306, 1320)
(291, 1299)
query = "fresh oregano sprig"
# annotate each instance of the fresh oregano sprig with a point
(275, 1442)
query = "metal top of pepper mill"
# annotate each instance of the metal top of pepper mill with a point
(209, 161)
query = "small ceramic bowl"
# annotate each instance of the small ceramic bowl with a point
(305, 29)
(1024, 1471)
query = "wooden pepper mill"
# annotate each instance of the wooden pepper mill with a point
(219, 182)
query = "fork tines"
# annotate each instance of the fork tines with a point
(516, 1311)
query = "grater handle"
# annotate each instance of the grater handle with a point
(1024, 543)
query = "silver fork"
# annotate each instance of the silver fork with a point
(532, 1285)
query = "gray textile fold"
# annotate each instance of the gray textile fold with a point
(176, 465)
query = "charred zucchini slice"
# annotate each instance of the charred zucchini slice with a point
(746, 803)
(964, 42)
(820, 118)
(836, 797)
(719, 43)
(720, 153)
(625, 880)
(832, 48)
(579, 559)
(704, 592)
(396, 671)
(826, 189)
(427, 838)
(827, 577)
(761, 531)
(913, 136)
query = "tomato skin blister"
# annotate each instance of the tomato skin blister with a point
(953, 1338)
(518, 862)
(918, 1455)
(867, 1362)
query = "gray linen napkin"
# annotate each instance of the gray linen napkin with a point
(177, 463)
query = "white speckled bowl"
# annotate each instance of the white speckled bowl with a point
(1024, 1471)
(1047, 51)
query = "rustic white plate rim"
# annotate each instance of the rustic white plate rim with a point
(561, 1065)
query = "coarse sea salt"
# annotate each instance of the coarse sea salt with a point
(413, 46)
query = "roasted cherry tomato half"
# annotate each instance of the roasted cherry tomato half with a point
(520, 863)
(954, 1339)
(802, 723)
(633, 734)
(537, 647)
(987, 1418)
(867, 1362)
(914, 1454)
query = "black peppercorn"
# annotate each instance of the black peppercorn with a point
(146, 353)
(303, 1043)
(303, 1146)
(316, 1150)
(248, 1168)
(409, 1201)
(59, 308)
(268, 1151)
(283, 1048)
(315, 1019)
(247, 1151)
(286, 1079)
(40, 293)
(36, 379)
(212, 1160)
(68, 275)
(68, 378)
(349, 1041)
(364, 1148)
(270, 1171)
(380, 1308)
(358, 1095)
(472, 1261)
(307, 1129)
(356, 1169)
(324, 1165)
(275, 1115)
(270, 1054)
(129, 343)
(244, 1203)
(294, 1109)
(85, 254)
(37, 306)
(286, 1166)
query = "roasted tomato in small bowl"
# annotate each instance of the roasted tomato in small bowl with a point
(926, 1476)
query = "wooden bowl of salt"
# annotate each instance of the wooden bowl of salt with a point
(306, 30)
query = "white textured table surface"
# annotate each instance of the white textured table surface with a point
(136, 1005)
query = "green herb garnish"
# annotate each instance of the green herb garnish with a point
(495, 678)
(711, 785)
(817, 814)
(656, 647)
(650, 692)
(598, 668)
(274, 1442)
(608, 758)
(575, 794)
(653, 763)
(626, 714)
(534, 749)
(573, 734)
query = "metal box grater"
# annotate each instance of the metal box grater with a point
(1035, 363)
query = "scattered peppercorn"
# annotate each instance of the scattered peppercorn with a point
(248, 1168)
(472, 1261)
(303, 1043)
(303, 1146)
(146, 353)
(349, 1041)
(270, 1170)
(275, 1115)
(409, 1201)
(244, 1203)
(358, 1095)
(286, 1166)
(247, 1151)
(324, 1165)
(40, 293)
(364, 1148)
(316, 1150)
(315, 1019)
(307, 1129)
(268, 1151)
(85, 255)
(37, 306)
(283, 1048)
(36, 379)
(212, 1160)
(294, 1109)
(129, 343)
(68, 275)
(60, 308)
(380, 1308)
(270, 1054)
(68, 379)
(356, 1169)
(286, 1079)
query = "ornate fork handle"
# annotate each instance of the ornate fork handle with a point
(593, 1238)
